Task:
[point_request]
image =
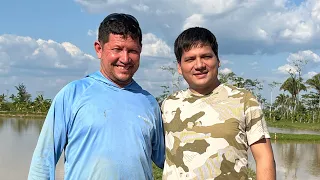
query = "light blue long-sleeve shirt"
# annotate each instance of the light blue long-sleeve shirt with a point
(107, 132)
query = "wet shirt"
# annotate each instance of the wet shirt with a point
(106, 132)
(207, 137)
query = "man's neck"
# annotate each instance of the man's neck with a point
(205, 91)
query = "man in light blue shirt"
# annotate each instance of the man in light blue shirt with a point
(107, 125)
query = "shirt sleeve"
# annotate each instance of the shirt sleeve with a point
(52, 140)
(158, 147)
(256, 127)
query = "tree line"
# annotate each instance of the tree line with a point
(22, 102)
(287, 106)
(290, 105)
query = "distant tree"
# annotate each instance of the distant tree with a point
(175, 83)
(314, 82)
(2, 101)
(282, 104)
(22, 95)
(293, 85)
(311, 102)
(176, 78)
(40, 104)
(226, 78)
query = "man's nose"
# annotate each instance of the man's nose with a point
(124, 58)
(199, 64)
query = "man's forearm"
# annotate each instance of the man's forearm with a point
(266, 170)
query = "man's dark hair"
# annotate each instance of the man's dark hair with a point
(120, 24)
(194, 37)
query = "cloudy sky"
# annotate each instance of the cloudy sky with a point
(46, 44)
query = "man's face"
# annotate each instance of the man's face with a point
(199, 67)
(120, 58)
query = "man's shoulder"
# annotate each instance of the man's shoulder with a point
(181, 94)
(248, 98)
(235, 92)
(74, 88)
(78, 84)
(144, 94)
(174, 99)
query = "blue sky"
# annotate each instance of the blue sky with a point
(45, 45)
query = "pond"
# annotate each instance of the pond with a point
(19, 137)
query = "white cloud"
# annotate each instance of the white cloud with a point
(287, 68)
(154, 46)
(254, 63)
(93, 33)
(305, 60)
(258, 26)
(40, 63)
(307, 55)
(315, 12)
(225, 71)
(224, 62)
(47, 65)
(309, 75)
(194, 20)
(215, 6)
(140, 7)
(280, 3)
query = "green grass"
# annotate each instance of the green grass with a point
(22, 114)
(295, 125)
(157, 172)
(295, 137)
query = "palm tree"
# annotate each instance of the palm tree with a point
(314, 83)
(282, 104)
(41, 104)
(293, 85)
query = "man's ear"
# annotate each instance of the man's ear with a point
(219, 63)
(98, 49)
(179, 67)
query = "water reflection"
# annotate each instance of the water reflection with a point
(21, 125)
(295, 160)
(18, 138)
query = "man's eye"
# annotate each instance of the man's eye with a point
(133, 51)
(116, 49)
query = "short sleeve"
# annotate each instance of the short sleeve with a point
(256, 127)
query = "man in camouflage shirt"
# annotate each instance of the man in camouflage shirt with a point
(210, 126)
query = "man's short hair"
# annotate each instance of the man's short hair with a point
(120, 24)
(194, 37)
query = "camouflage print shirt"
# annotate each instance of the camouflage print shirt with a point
(207, 137)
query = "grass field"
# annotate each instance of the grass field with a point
(157, 172)
(295, 125)
(295, 137)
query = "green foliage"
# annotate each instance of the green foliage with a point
(314, 82)
(21, 103)
(22, 96)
